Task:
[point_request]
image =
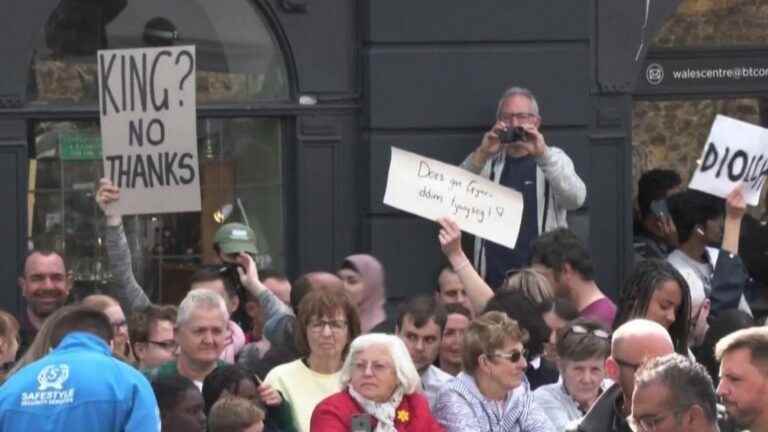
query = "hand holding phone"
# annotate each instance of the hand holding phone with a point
(659, 208)
(360, 423)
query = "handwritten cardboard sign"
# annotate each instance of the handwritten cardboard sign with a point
(148, 128)
(735, 152)
(433, 189)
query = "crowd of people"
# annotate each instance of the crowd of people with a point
(512, 340)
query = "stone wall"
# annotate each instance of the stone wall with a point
(715, 23)
(671, 134)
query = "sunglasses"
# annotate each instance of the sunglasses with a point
(513, 356)
(581, 330)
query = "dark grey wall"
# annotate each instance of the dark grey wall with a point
(433, 79)
(13, 174)
(324, 219)
(422, 75)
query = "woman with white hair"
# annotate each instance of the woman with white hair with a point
(379, 391)
(493, 393)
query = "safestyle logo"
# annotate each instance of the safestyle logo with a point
(50, 389)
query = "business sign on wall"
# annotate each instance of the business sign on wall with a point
(703, 75)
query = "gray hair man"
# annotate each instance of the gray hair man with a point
(673, 394)
(514, 153)
(201, 333)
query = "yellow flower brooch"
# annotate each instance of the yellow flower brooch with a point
(403, 416)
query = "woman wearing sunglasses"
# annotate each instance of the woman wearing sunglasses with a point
(582, 347)
(483, 398)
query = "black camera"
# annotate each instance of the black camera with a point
(513, 134)
(229, 273)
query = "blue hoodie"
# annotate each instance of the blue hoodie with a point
(79, 386)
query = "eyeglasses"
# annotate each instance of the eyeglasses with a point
(375, 367)
(513, 356)
(117, 325)
(649, 424)
(168, 345)
(335, 325)
(581, 330)
(521, 116)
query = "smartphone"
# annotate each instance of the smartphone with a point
(659, 208)
(360, 423)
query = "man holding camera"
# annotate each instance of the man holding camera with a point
(514, 154)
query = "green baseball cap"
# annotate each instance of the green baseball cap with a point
(234, 238)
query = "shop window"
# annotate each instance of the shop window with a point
(715, 24)
(238, 57)
(241, 180)
(239, 62)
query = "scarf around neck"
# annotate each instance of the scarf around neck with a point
(383, 412)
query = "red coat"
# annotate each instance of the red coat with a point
(335, 412)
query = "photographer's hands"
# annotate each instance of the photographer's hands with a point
(491, 144)
(535, 145)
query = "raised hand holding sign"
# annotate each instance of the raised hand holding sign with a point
(433, 189)
(735, 152)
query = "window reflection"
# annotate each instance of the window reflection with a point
(241, 166)
(238, 57)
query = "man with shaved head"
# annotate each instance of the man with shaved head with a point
(632, 344)
(45, 286)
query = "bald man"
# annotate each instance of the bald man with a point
(632, 344)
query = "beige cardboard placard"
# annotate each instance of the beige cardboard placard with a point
(148, 128)
(735, 152)
(433, 189)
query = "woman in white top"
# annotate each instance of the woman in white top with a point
(327, 323)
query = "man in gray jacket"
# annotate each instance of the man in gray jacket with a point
(523, 161)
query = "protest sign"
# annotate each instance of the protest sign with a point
(433, 189)
(735, 152)
(148, 128)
